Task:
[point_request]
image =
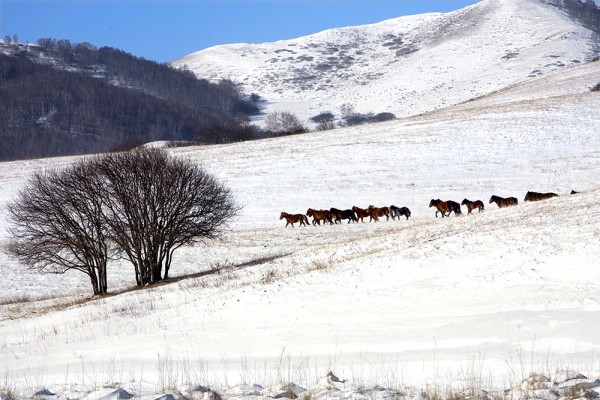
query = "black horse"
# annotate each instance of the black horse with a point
(339, 215)
(399, 211)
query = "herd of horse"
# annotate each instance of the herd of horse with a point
(356, 214)
(449, 206)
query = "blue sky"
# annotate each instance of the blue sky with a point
(167, 30)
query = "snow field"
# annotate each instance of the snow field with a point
(494, 295)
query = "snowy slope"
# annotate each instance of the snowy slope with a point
(407, 65)
(494, 295)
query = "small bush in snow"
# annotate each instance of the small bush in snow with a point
(323, 117)
(384, 116)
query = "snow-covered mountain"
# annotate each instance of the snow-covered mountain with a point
(407, 65)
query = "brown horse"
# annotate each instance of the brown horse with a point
(399, 211)
(319, 215)
(361, 213)
(291, 219)
(444, 207)
(339, 215)
(376, 212)
(502, 202)
(471, 205)
(535, 196)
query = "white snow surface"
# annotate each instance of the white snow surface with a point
(490, 296)
(406, 66)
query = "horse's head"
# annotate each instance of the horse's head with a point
(493, 199)
(465, 201)
(433, 202)
(309, 212)
(282, 216)
(528, 196)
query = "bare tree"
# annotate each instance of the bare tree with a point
(156, 204)
(142, 205)
(57, 225)
(283, 123)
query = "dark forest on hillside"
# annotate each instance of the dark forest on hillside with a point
(586, 12)
(57, 99)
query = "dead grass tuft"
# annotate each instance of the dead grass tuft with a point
(318, 266)
(269, 277)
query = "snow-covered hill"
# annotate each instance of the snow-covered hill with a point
(407, 65)
(484, 298)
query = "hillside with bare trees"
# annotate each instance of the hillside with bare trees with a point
(58, 99)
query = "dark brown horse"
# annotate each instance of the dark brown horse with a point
(360, 213)
(444, 207)
(535, 196)
(376, 212)
(399, 211)
(471, 205)
(455, 207)
(339, 215)
(291, 219)
(319, 215)
(504, 201)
